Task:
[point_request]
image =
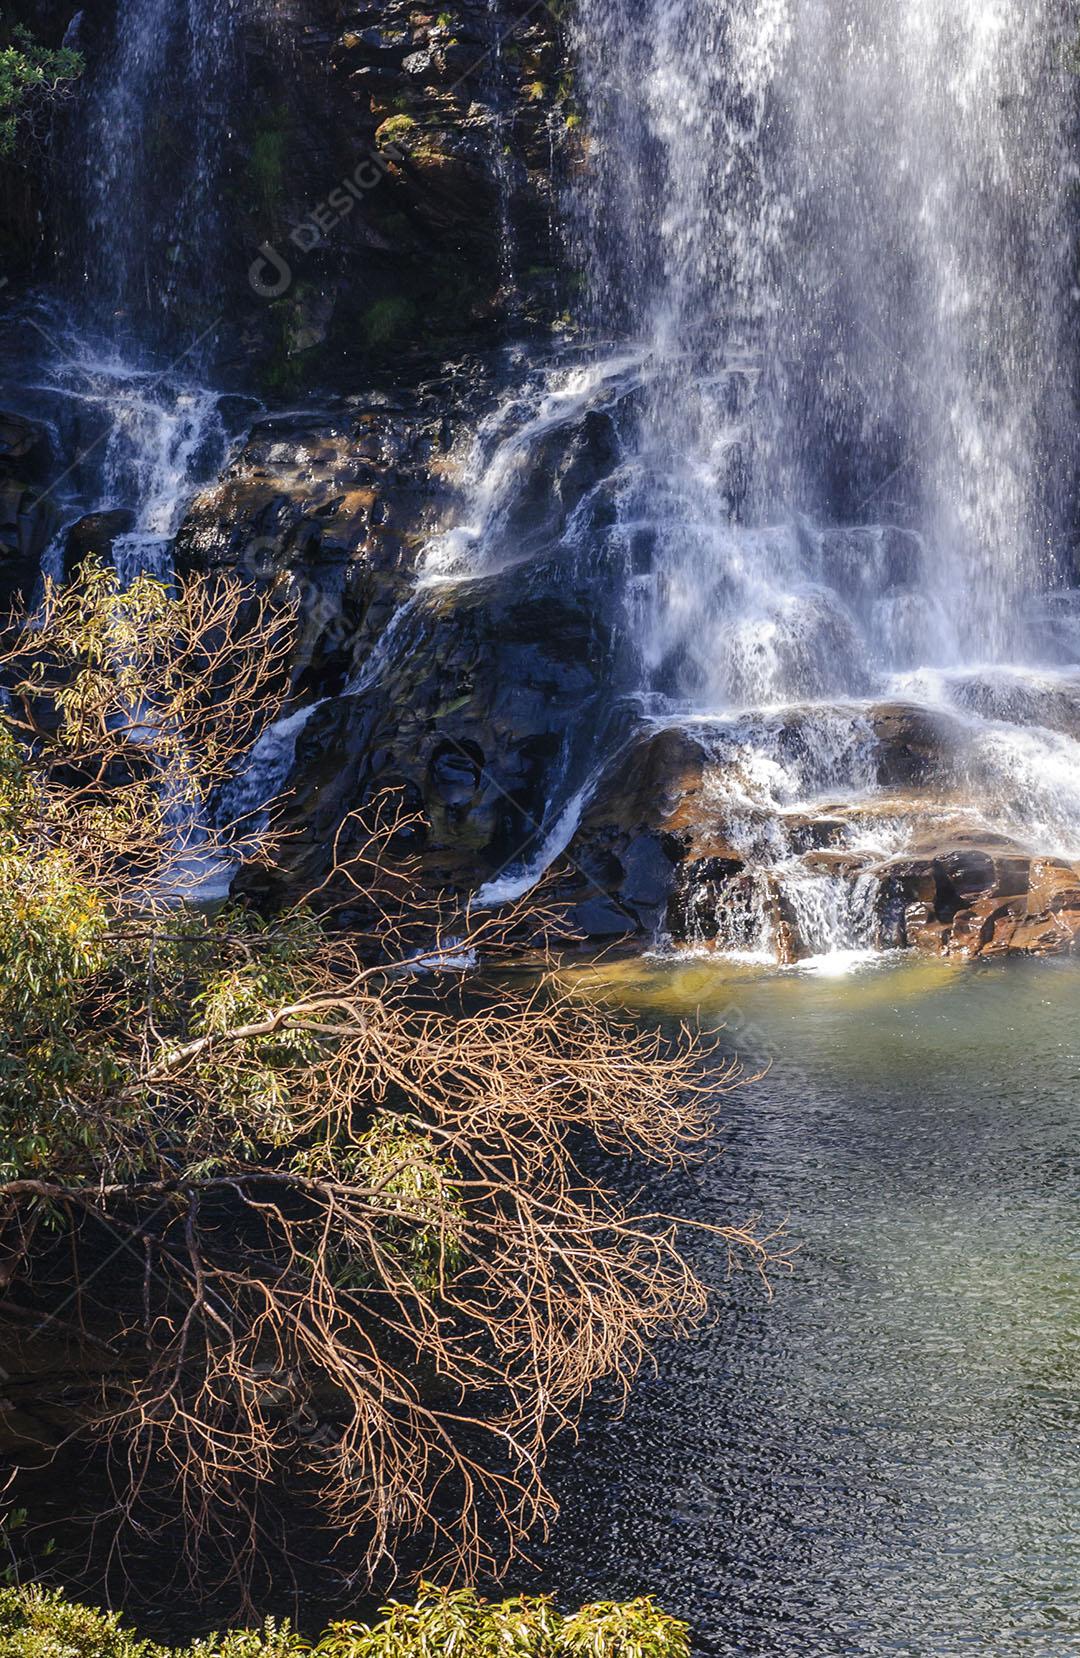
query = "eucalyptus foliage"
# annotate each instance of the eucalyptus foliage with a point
(29, 72)
(352, 1245)
(441, 1624)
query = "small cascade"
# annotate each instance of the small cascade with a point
(515, 882)
(117, 364)
(156, 455)
(244, 803)
(145, 442)
(789, 883)
(499, 523)
(831, 914)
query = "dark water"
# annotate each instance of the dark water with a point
(886, 1457)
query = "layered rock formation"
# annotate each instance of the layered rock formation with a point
(669, 850)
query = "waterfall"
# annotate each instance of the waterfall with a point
(806, 445)
(116, 360)
(117, 357)
(838, 224)
(153, 169)
(830, 305)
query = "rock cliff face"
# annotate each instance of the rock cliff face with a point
(386, 224)
(386, 179)
(397, 173)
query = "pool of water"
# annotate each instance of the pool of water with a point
(885, 1457)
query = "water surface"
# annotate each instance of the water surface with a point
(884, 1458)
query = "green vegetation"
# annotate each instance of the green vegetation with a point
(29, 73)
(396, 129)
(36, 1624)
(267, 162)
(386, 319)
(334, 1186)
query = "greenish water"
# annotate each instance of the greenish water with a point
(885, 1458)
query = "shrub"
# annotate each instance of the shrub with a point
(334, 1183)
(29, 71)
(36, 1623)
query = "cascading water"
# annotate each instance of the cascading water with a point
(115, 362)
(831, 239)
(118, 364)
(827, 263)
(153, 170)
(862, 206)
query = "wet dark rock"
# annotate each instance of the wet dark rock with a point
(647, 873)
(29, 520)
(330, 513)
(984, 899)
(861, 563)
(634, 835)
(95, 533)
(494, 695)
(807, 833)
(913, 743)
(21, 441)
(383, 160)
(455, 773)
(601, 918)
(29, 516)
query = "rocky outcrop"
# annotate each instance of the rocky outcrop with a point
(913, 744)
(654, 856)
(983, 896)
(28, 516)
(330, 510)
(481, 702)
(646, 825)
(94, 534)
(495, 698)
